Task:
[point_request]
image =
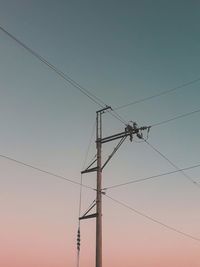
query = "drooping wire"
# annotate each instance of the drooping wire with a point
(150, 177)
(159, 94)
(174, 165)
(45, 171)
(79, 225)
(80, 198)
(89, 145)
(153, 219)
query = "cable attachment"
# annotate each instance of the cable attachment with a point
(142, 129)
(78, 239)
(148, 130)
(131, 129)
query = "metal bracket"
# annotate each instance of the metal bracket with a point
(94, 215)
(89, 170)
(85, 216)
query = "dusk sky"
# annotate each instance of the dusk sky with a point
(121, 52)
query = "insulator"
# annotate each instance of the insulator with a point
(78, 240)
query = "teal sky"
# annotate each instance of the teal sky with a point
(121, 51)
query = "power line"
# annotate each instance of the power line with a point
(151, 177)
(176, 118)
(177, 169)
(159, 94)
(93, 97)
(64, 76)
(117, 116)
(44, 171)
(154, 220)
(83, 90)
(174, 165)
(80, 198)
(89, 145)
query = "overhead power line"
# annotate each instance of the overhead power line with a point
(174, 165)
(93, 97)
(45, 171)
(153, 219)
(117, 116)
(176, 118)
(64, 76)
(159, 94)
(151, 177)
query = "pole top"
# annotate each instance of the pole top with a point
(103, 109)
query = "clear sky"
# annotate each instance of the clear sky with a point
(121, 51)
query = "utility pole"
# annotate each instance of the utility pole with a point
(130, 130)
(99, 189)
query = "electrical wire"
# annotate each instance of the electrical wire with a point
(89, 145)
(174, 165)
(176, 118)
(80, 199)
(93, 97)
(153, 219)
(45, 171)
(118, 117)
(150, 177)
(64, 76)
(159, 94)
(79, 224)
(83, 90)
(99, 102)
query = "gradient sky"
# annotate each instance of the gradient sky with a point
(121, 51)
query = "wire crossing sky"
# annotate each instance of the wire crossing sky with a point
(154, 220)
(182, 86)
(135, 52)
(64, 76)
(151, 177)
(174, 165)
(119, 202)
